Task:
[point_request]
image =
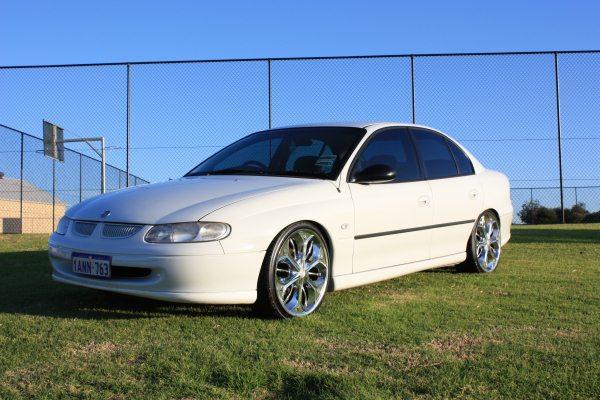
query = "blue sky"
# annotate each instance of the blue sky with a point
(57, 31)
(182, 113)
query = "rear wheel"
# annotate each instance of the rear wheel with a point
(483, 249)
(296, 272)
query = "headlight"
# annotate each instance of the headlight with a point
(187, 232)
(63, 225)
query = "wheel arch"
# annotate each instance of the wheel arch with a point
(479, 215)
(496, 213)
(329, 242)
(323, 232)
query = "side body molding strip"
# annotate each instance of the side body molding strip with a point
(419, 228)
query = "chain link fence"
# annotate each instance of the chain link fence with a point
(534, 116)
(35, 190)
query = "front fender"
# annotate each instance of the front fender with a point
(255, 222)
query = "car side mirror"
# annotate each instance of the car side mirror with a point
(377, 173)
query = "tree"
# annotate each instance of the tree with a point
(532, 212)
(592, 217)
(528, 211)
(576, 214)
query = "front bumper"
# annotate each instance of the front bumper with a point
(187, 272)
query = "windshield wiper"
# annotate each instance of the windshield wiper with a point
(301, 174)
(240, 171)
(233, 171)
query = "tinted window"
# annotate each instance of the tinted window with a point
(464, 164)
(318, 152)
(307, 153)
(393, 148)
(435, 154)
(255, 154)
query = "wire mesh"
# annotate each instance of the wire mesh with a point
(167, 117)
(35, 191)
(38, 189)
(580, 117)
(10, 183)
(182, 113)
(85, 101)
(366, 89)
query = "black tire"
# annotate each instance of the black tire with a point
(268, 302)
(473, 263)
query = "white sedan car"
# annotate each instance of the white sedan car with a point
(282, 216)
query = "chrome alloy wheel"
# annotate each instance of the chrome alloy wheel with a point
(487, 242)
(301, 272)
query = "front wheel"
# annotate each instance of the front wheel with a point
(483, 249)
(295, 273)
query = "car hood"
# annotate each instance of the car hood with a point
(186, 199)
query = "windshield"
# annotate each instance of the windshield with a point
(315, 152)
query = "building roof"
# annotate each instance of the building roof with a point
(10, 189)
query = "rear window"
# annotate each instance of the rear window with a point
(465, 167)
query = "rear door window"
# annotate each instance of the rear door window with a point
(435, 154)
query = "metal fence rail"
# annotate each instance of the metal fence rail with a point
(532, 115)
(35, 190)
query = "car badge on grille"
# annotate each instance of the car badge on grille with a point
(105, 214)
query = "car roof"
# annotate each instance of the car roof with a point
(354, 124)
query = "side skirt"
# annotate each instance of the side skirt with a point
(364, 278)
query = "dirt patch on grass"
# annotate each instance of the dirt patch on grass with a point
(389, 297)
(23, 381)
(402, 297)
(397, 357)
(19, 374)
(35, 381)
(464, 347)
(313, 366)
(570, 333)
(94, 349)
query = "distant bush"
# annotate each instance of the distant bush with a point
(575, 214)
(592, 217)
(528, 211)
(532, 212)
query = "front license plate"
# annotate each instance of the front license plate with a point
(91, 264)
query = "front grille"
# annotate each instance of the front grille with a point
(120, 230)
(84, 228)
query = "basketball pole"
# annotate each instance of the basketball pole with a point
(101, 153)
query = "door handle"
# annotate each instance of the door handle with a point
(424, 201)
(473, 194)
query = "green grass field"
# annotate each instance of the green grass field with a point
(529, 330)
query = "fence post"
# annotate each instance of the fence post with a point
(21, 181)
(128, 123)
(80, 176)
(576, 202)
(412, 85)
(560, 169)
(53, 192)
(531, 195)
(269, 79)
